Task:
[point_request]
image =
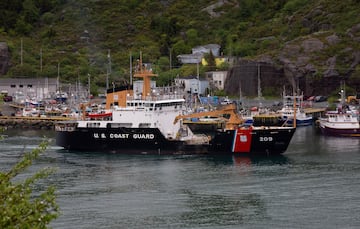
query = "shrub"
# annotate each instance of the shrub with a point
(18, 206)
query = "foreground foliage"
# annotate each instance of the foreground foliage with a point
(19, 206)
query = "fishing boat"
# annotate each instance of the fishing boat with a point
(61, 97)
(153, 122)
(343, 122)
(293, 108)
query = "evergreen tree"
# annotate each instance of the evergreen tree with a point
(211, 63)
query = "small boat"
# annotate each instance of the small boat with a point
(61, 97)
(343, 124)
(302, 119)
(293, 107)
(100, 115)
(226, 101)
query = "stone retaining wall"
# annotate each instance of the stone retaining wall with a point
(27, 124)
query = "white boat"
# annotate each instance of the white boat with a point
(343, 122)
(292, 107)
(61, 96)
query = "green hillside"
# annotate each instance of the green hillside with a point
(77, 36)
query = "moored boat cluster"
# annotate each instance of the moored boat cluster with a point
(159, 120)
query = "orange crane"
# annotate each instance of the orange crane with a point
(233, 120)
(353, 99)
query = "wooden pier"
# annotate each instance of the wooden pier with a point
(315, 111)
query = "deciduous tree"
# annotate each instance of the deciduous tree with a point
(20, 206)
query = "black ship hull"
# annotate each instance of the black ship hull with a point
(150, 141)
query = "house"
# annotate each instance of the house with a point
(32, 87)
(190, 58)
(217, 79)
(198, 54)
(214, 48)
(192, 84)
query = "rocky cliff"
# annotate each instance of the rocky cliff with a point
(4, 58)
(315, 64)
(252, 77)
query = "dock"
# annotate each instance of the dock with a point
(31, 122)
(316, 112)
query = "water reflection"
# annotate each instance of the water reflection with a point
(220, 210)
(329, 143)
(13, 132)
(246, 160)
(317, 178)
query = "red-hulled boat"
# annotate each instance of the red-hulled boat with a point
(100, 115)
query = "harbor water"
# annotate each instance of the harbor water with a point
(314, 184)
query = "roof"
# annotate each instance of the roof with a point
(26, 81)
(187, 77)
(208, 46)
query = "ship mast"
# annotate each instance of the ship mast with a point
(146, 74)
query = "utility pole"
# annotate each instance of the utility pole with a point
(108, 71)
(21, 53)
(109, 57)
(89, 86)
(58, 76)
(40, 59)
(198, 76)
(170, 58)
(130, 71)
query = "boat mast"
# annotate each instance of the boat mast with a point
(294, 119)
(240, 93)
(146, 74)
(342, 92)
(259, 84)
(259, 87)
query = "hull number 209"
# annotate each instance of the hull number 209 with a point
(266, 139)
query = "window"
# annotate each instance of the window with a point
(144, 125)
(118, 125)
(93, 124)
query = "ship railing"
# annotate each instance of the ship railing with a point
(155, 97)
(64, 128)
